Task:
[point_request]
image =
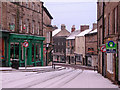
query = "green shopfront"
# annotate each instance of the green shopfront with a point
(31, 55)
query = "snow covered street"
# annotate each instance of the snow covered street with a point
(64, 78)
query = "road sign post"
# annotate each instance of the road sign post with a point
(25, 44)
(103, 48)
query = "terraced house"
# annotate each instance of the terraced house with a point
(22, 32)
(108, 26)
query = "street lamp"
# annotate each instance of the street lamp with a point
(47, 45)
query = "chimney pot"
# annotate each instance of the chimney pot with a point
(73, 28)
(84, 27)
(63, 26)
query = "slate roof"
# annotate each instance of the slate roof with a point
(73, 34)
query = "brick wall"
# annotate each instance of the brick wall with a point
(91, 42)
(24, 13)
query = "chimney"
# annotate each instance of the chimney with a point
(94, 26)
(55, 27)
(73, 28)
(84, 27)
(63, 26)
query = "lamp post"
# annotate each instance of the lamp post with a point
(47, 45)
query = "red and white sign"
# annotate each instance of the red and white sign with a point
(103, 48)
(25, 44)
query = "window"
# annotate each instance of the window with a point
(58, 43)
(108, 24)
(27, 3)
(27, 26)
(105, 27)
(12, 23)
(33, 6)
(68, 43)
(38, 28)
(48, 37)
(38, 8)
(110, 62)
(20, 24)
(68, 50)
(33, 26)
(116, 18)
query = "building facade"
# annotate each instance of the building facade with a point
(70, 46)
(24, 22)
(47, 32)
(59, 41)
(91, 48)
(108, 30)
(80, 45)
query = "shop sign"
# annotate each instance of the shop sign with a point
(111, 47)
(25, 44)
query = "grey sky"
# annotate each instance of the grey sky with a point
(72, 13)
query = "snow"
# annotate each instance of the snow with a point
(65, 78)
(73, 34)
(84, 32)
(94, 31)
(55, 32)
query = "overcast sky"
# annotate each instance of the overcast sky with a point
(72, 13)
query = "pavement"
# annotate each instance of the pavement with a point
(33, 69)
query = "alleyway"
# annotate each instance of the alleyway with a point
(59, 78)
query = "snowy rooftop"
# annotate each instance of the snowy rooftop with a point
(84, 32)
(73, 34)
(55, 32)
(94, 31)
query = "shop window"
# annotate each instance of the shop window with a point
(110, 62)
(14, 54)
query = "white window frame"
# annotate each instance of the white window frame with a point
(33, 6)
(116, 17)
(48, 37)
(38, 29)
(27, 25)
(38, 8)
(33, 26)
(20, 23)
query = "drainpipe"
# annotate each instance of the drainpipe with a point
(103, 54)
(1, 16)
(42, 18)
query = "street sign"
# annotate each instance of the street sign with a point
(111, 47)
(25, 44)
(103, 48)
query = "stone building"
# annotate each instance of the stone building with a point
(91, 47)
(108, 25)
(80, 45)
(70, 46)
(22, 28)
(47, 32)
(59, 41)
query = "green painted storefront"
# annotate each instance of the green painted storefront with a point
(31, 55)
